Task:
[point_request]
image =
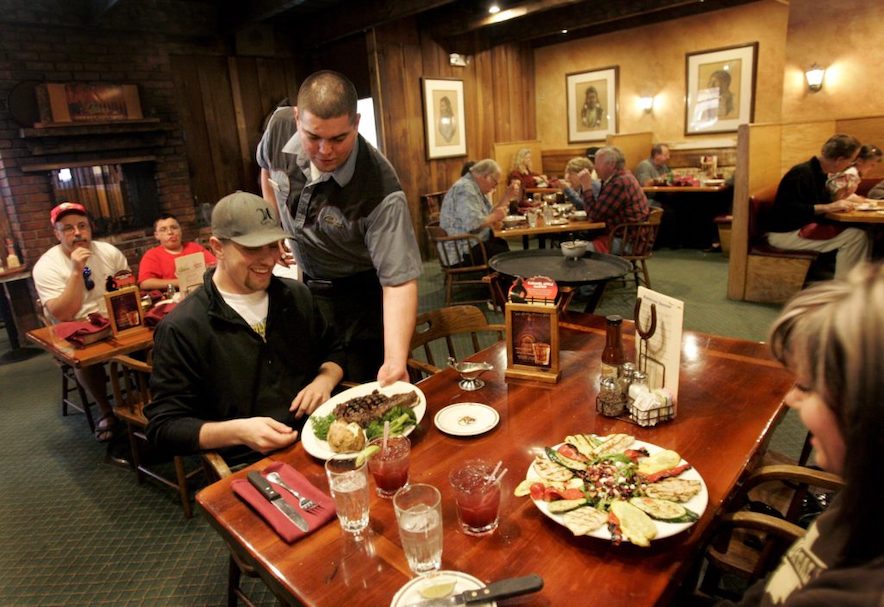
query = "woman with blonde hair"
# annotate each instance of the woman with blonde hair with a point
(830, 336)
(522, 171)
(579, 184)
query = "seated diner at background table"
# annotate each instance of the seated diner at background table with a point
(466, 208)
(620, 199)
(156, 270)
(71, 279)
(654, 171)
(580, 185)
(795, 221)
(843, 185)
(830, 337)
(243, 360)
(523, 174)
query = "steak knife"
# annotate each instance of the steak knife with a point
(496, 590)
(263, 486)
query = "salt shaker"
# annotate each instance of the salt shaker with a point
(639, 385)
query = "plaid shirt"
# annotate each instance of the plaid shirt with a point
(621, 200)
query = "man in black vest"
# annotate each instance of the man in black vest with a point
(353, 236)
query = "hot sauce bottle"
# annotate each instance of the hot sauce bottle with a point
(612, 356)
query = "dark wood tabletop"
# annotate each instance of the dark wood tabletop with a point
(92, 354)
(542, 229)
(730, 402)
(876, 216)
(649, 189)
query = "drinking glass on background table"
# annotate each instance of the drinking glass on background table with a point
(349, 488)
(532, 218)
(477, 495)
(419, 515)
(389, 466)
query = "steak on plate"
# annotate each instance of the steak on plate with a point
(363, 409)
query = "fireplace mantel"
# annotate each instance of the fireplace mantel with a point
(89, 129)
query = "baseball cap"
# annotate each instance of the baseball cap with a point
(66, 208)
(246, 219)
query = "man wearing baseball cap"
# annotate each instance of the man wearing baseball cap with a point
(246, 358)
(70, 279)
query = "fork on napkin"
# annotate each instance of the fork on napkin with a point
(286, 529)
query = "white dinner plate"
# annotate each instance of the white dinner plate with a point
(557, 222)
(319, 448)
(867, 206)
(696, 504)
(466, 419)
(410, 592)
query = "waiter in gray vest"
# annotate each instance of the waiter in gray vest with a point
(353, 236)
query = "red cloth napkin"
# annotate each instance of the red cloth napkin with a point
(157, 313)
(276, 519)
(77, 331)
(820, 231)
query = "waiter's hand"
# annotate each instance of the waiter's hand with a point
(390, 373)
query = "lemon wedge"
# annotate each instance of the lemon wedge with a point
(365, 454)
(438, 589)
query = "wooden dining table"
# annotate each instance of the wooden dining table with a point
(542, 229)
(96, 353)
(866, 217)
(730, 401)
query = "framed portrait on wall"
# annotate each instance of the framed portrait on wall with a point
(592, 104)
(720, 89)
(444, 117)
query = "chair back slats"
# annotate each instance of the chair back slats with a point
(635, 243)
(468, 268)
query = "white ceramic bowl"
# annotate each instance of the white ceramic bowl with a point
(574, 248)
(578, 215)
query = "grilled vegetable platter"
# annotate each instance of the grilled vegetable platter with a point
(615, 488)
(361, 411)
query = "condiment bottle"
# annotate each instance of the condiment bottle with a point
(639, 384)
(625, 380)
(610, 401)
(170, 291)
(12, 260)
(612, 355)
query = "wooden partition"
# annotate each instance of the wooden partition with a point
(503, 152)
(764, 153)
(635, 146)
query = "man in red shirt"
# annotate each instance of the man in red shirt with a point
(157, 267)
(621, 199)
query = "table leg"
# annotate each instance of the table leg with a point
(596, 297)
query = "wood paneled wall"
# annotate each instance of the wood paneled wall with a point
(498, 98)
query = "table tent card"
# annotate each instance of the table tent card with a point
(664, 346)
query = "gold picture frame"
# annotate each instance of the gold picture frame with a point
(532, 342)
(444, 117)
(592, 104)
(720, 89)
(124, 309)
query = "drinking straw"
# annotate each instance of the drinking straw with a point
(494, 472)
(500, 476)
(386, 436)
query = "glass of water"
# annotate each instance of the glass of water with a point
(349, 488)
(419, 515)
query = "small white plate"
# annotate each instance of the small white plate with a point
(557, 222)
(867, 206)
(410, 592)
(466, 419)
(319, 448)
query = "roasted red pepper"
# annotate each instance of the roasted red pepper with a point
(653, 478)
(570, 452)
(635, 454)
(614, 529)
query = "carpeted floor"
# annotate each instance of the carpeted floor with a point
(76, 529)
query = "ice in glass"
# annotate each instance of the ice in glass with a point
(477, 496)
(389, 466)
(349, 488)
(419, 515)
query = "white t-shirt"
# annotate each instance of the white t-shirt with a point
(52, 270)
(252, 307)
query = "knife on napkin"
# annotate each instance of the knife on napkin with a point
(263, 486)
(496, 590)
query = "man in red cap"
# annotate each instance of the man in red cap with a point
(70, 279)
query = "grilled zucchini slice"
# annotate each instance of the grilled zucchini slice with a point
(585, 520)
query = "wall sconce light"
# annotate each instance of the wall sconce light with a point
(814, 75)
(646, 103)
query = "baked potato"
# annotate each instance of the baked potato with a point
(344, 437)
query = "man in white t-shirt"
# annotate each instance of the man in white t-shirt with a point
(245, 359)
(70, 279)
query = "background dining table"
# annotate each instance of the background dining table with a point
(95, 353)
(730, 400)
(542, 229)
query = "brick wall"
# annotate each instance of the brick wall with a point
(48, 43)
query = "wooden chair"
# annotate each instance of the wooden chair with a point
(130, 379)
(637, 244)
(471, 270)
(431, 206)
(760, 523)
(446, 323)
(69, 382)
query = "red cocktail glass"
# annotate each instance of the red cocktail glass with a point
(477, 495)
(389, 466)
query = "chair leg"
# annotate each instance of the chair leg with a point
(136, 452)
(181, 477)
(233, 579)
(67, 403)
(449, 287)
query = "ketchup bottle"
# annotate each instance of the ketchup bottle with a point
(612, 356)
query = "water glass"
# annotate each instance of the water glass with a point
(477, 496)
(532, 219)
(419, 515)
(349, 488)
(389, 466)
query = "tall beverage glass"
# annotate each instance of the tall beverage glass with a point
(477, 495)
(389, 467)
(419, 515)
(349, 488)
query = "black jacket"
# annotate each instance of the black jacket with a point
(801, 188)
(209, 365)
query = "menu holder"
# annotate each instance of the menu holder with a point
(124, 309)
(190, 269)
(532, 342)
(661, 356)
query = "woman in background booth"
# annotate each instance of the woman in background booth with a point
(843, 185)
(522, 171)
(830, 337)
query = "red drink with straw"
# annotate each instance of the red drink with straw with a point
(389, 466)
(476, 485)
